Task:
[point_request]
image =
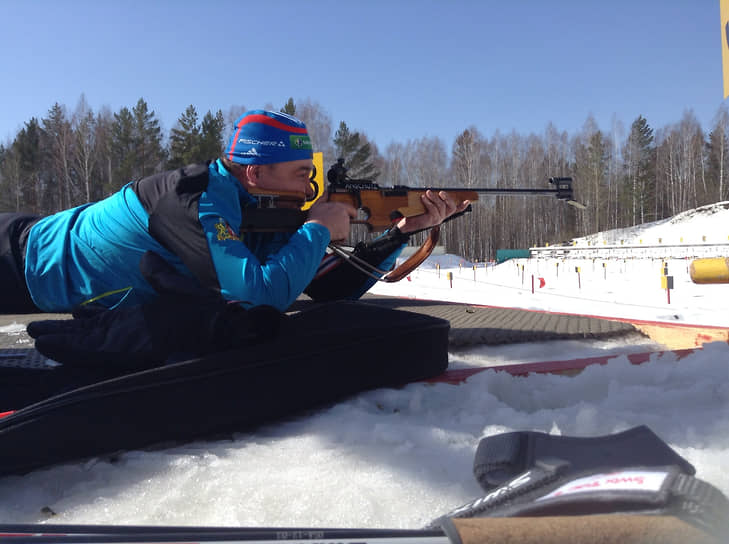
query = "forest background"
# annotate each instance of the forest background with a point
(624, 177)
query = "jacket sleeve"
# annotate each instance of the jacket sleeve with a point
(278, 278)
(336, 279)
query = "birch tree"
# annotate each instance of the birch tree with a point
(85, 156)
(680, 166)
(393, 171)
(591, 160)
(231, 115)
(319, 125)
(614, 173)
(57, 142)
(468, 235)
(717, 149)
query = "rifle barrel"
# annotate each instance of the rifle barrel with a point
(497, 191)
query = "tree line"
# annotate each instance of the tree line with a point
(623, 177)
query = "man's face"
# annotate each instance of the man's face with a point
(292, 176)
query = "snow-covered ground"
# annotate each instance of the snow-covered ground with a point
(399, 458)
(617, 288)
(613, 285)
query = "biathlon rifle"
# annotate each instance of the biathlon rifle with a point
(380, 205)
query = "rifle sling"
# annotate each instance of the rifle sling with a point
(416, 259)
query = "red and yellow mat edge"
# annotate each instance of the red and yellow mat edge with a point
(562, 366)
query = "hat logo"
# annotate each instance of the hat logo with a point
(255, 141)
(299, 142)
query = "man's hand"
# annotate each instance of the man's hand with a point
(438, 207)
(335, 216)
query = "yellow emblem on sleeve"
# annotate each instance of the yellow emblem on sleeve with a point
(224, 231)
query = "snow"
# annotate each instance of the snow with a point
(620, 280)
(13, 328)
(400, 458)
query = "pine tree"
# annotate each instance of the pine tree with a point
(27, 147)
(10, 179)
(185, 139)
(122, 149)
(149, 154)
(289, 108)
(640, 179)
(211, 137)
(5, 189)
(356, 152)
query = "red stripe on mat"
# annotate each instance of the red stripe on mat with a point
(459, 375)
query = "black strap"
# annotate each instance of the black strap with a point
(501, 457)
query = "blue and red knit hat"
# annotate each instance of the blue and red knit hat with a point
(265, 137)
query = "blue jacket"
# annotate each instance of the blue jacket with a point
(92, 252)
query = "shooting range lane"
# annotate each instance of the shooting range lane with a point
(473, 325)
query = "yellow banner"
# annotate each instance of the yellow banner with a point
(724, 9)
(317, 178)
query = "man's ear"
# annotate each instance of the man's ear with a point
(253, 173)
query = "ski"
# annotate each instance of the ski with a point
(121, 534)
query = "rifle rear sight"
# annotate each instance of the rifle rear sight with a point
(338, 178)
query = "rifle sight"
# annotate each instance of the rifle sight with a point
(339, 179)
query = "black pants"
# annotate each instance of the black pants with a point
(14, 294)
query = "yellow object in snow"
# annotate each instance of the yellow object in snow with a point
(714, 270)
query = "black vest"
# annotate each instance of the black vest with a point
(171, 199)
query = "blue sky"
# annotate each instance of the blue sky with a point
(396, 70)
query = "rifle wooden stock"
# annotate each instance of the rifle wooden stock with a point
(383, 206)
